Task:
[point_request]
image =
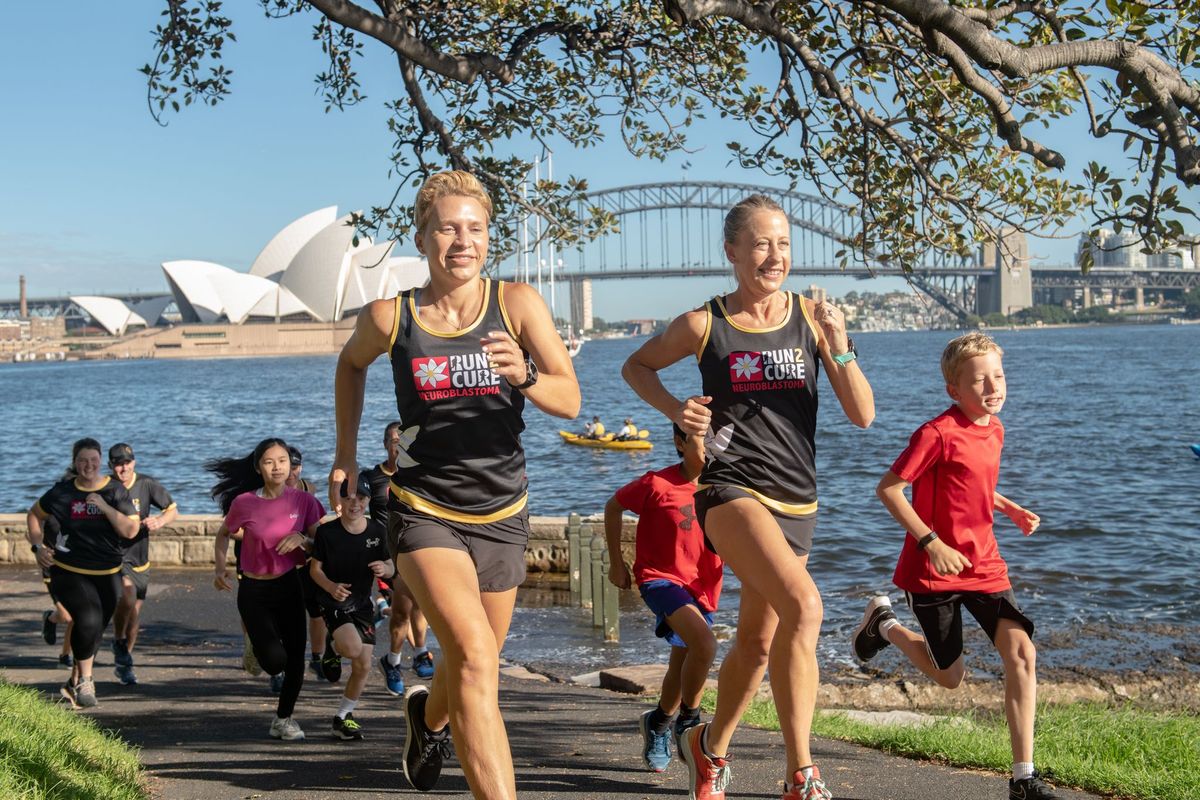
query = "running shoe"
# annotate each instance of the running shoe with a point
(65, 660)
(126, 675)
(68, 693)
(49, 628)
(331, 662)
(121, 655)
(424, 750)
(707, 777)
(276, 683)
(393, 676)
(656, 747)
(286, 729)
(867, 641)
(346, 729)
(681, 726)
(314, 664)
(810, 788)
(249, 660)
(423, 665)
(85, 693)
(1034, 788)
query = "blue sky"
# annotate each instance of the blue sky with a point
(95, 195)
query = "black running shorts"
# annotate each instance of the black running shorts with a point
(361, 616)
(797, 530)
(139, 578)
(940, 616)
(499, 560)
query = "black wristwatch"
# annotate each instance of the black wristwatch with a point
(531, 374)
(35, 548)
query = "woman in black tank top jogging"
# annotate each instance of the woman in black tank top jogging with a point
(759, 350)
(466, 353)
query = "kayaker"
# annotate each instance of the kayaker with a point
(594, 429)
(628, 431)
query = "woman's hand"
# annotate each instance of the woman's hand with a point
(693, 415)
(290, 542)
(221, 581)
(832, 322)
(94, 499)
(45, 557)
(505, 357)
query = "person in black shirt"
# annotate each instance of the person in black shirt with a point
(316, 625)
(406, 621)
(349, 553)
(94, 514)
(54, 617)
(146, 493)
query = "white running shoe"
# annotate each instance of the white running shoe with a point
(286, 729)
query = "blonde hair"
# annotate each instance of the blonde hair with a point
(737, 217)
(963, 347)
(453, 183)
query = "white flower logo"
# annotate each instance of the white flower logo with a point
(431, 372)
(745, 365)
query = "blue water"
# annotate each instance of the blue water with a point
(1098, 426)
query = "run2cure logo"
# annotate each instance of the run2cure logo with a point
(766, 371)
(462, 375)
(81, 509)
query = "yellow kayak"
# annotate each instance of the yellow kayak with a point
(606, 442)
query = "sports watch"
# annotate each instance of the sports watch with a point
(531, 374)
(850, 354)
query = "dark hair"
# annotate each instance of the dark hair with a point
(295, 456)
(86, 443)
(677, 432)
(392, 426)
(735, 220)
(239, 475)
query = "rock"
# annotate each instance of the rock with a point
(591, 679)
(641, 679)
(902, 718)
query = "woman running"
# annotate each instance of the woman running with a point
(277, 524)
(759, 351)
(466, 353)
(94, 513)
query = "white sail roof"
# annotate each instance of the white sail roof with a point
(317, 274)
(273, 259)
(195, 294)
(108, 312)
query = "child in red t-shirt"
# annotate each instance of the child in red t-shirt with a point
(950, 558)
(679, 577)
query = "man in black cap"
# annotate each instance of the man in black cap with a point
(145, 492)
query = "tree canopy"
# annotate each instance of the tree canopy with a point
(920, 117)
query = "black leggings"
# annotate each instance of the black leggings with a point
(273, 612)
(90, 600)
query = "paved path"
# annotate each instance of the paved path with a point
(201, 724)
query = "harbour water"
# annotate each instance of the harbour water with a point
(1098, 423)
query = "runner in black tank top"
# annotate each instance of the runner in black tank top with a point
(758, 351)
(466, 354)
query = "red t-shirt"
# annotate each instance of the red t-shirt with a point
(953, 466)
(670, 544)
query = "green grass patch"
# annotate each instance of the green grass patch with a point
(48, 752)
(1109, 750)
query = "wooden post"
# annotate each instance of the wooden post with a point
(585, 566)
(573, 561)
(598, 580)
(612, 608)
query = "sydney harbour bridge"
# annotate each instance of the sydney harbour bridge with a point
(673, 230)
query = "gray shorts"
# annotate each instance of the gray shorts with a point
(139, 578)
(797, 530)
(497, 548)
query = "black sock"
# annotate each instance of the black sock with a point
(659, 720)
(687, 714)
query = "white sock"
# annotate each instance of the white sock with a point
(420, 651)
(346, 707)
(1022, 770)
(805, 771)
(886, 626)
(393, 658)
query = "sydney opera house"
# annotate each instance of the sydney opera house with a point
(312, 270)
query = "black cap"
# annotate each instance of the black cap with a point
(362, 488)
(296, 457)
(120, 453)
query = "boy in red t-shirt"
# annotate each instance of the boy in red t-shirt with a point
(679, 577)
(950, 558)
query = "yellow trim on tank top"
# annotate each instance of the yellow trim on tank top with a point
(812, 325)
(40, 512)
(487, 293)
(508, 326)
(107, 481)
(82, 571)
(395, 323)
(142, 568)
(707, 331)
(795, 509)
(452, 515)
(786, 317)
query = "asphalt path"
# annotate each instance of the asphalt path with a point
(201, 723)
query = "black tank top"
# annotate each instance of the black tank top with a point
(464, 418)
(763, 384)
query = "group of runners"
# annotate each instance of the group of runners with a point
(466, 353)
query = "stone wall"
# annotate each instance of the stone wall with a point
(188, 542)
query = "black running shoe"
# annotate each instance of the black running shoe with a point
(424, 750)
(331, 662)
(1032, 788)
(346, 729)
(49, 629)
(867, 641)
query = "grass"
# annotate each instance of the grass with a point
(48, 752)
(1119, 751)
